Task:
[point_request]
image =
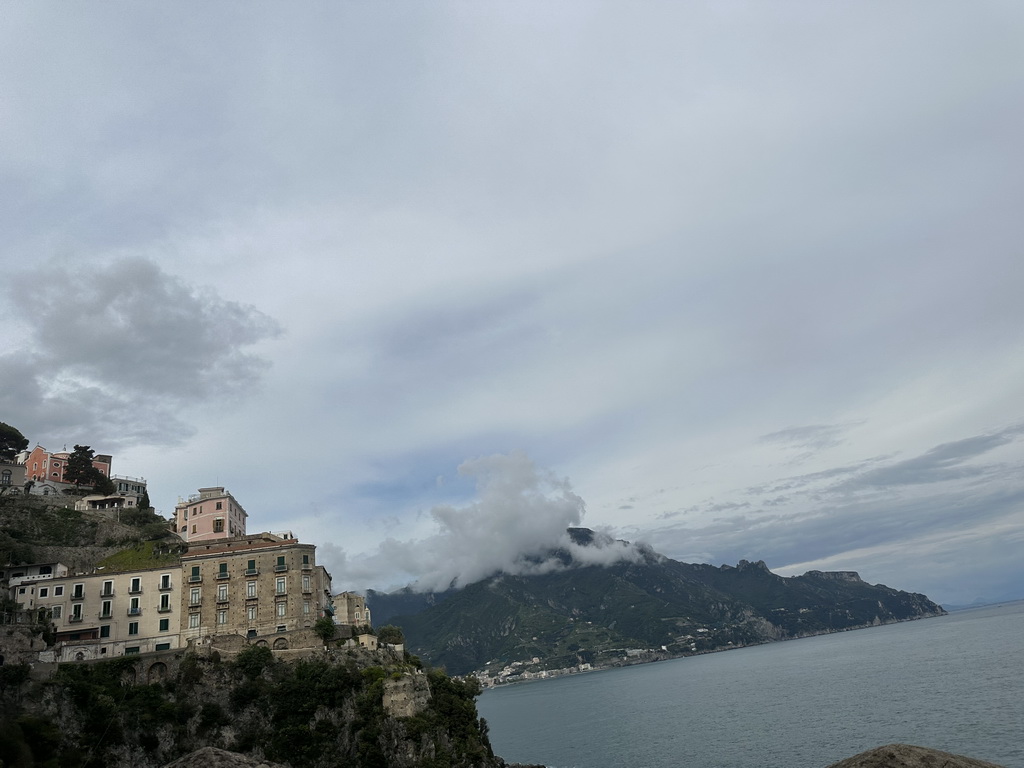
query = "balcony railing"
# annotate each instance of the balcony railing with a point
(164, 609)
(78, 596)
(252, 571)
(280, 568)
(166, 587)
(223, 575)
(107, 593)
(135, 590)
(74, 618)
(134, 611)
(195, 578)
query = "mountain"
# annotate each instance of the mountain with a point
(603, 614)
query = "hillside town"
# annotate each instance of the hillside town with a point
(213, 583)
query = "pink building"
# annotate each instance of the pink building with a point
(40, 464)
(210, 514)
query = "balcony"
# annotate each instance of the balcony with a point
(107, 593)
(74, 618)
(223, 575)
(78, 596)
(134, 611)
(222, 598)
(307, 567)
(135, 590)
(252, 571)
(166, 587)
(194, 579)
(106, 615)
(280, 568)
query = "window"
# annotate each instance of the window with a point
(106, 609)
(131, 650)
(195, 572)
(57, 611)
(136, 585)
(193, 621)
(250, 589)
(44, 591)
(165, 625)
(250, 568)
(220, 505)
(45, 570)
(222, 593)
(305, 559)
(282, 609)
(193, 596)
(218, 525)
(78, 592)
(282, 628)
(133, 628)
(108, 589)
(222, 617)
(58, 591)
(279, 586)
(280, 564)
(133, 607)
(251, 611)
(5, 477)
(305, 583)
(105, 631)
(305, 606)
(193, 527)
(162, 647)
(165, 603)
(165, 581)
(76, 612)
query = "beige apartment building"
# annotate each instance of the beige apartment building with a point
(101, 615)
(255, 585)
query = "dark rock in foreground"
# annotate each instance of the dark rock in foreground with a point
(211, 757)
(909, 756)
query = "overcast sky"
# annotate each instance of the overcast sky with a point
(426, 283)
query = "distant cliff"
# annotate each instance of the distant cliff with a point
(654, 608)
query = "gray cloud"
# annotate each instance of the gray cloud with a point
(520, 515)
(115, 352)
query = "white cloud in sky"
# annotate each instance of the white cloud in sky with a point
(674, 252)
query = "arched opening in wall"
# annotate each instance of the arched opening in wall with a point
(280, 644)
(262, 642)
(128, 677)
(156, 673)
(79, 656)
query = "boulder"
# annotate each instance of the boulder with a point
(909, 756)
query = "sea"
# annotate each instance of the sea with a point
(953, 682)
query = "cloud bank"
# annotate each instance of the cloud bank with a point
(517, 520)
(114, 353)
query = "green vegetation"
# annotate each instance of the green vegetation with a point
(11, 442)
(314, 713)
(146, 554)
(80, 471)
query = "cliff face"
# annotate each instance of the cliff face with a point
(331, 710)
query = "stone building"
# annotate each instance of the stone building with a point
(350, 608)
(255, 585)
(211, 514)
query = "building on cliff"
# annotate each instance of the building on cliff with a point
(211, 514)
(252, 585)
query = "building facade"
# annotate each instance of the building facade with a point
(210, 515)
(41, 465)
(350, 608)
(101, 615)
(252, 586)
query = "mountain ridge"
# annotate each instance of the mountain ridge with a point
(605, 615)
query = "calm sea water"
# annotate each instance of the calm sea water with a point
(954, 683)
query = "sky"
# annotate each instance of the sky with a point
(427, 283)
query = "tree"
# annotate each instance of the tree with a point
(144, 501)
(81, 471)
(11, 442)
(325, 628)
(389, 634)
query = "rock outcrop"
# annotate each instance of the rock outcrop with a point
(909, 756)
